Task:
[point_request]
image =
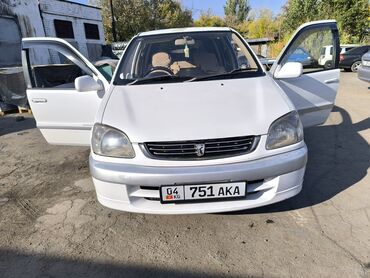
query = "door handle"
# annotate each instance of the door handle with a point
(39, 100)
(329, 81)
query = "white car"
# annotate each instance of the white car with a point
(326, 54)
(185, 126)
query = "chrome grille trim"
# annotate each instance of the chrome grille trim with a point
(214, 148)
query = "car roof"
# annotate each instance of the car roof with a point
(344, 45)
(349, 45)
(356, 48)
(183, 30)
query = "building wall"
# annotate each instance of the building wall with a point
(26, 14)
(78, 15)
(32, 23)
(35, 18)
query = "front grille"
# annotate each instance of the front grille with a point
(202, 149)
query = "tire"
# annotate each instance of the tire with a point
(355, 66)
(328, 65)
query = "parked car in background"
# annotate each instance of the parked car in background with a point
(267, 63)
(351, 60)
(326, 55)
(106, 67)
(189, 123)
(346, 47)
(302, 56)
(118, 48)
(363, 72)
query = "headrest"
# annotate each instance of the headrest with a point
(161, 59)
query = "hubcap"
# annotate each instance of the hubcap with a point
(356, 66)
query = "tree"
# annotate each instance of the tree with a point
(207, 19)
(264, 25)
(296, 12)
(236, 11)
(134, 16)
(128, 15)
(351, 15)
(169, 14)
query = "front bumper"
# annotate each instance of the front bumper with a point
(135, 188)
(363, 73)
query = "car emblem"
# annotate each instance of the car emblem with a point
(200, 149)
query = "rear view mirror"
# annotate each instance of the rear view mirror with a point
(184, 41)
(289, 70)
(86, 83)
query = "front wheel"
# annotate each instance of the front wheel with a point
(355, 66)
(328, 65)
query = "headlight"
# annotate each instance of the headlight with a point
(366, 63)
(108, 141)
(285, 131)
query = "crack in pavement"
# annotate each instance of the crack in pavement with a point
(337, 244)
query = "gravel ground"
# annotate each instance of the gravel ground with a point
(51, 224)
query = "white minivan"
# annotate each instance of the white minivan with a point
(326, 55)
(190, 121)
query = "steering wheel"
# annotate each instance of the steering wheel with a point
(158, 71)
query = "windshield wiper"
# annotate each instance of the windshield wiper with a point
(156, 79)
(229, 73)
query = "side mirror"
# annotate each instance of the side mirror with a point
(289, 70)
(86, 83)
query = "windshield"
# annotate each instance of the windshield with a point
(191, 56)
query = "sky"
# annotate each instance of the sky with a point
(217, 6)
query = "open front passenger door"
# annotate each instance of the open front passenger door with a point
(64, 90)
(314, 92)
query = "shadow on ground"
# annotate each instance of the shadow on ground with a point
(19, 264)
(338, 158)
(16, 123)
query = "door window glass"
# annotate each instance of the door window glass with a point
(55, 70)
(308, 48)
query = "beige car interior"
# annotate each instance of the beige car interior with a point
(207, 62)
(163, 59)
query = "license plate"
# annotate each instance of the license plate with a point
(186, 193)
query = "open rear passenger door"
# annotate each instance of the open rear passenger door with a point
(64, 90)
(314, 92)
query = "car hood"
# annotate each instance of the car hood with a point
(196, 110)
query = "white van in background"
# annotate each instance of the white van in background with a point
(326, 55)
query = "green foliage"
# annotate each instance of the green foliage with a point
(134, 16)
(352, 16)
(296, 12)
(264, 25)
(169, 14)
(209, 20)
(236, 11)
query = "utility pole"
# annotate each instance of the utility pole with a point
(113, 21)
(154, 7)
